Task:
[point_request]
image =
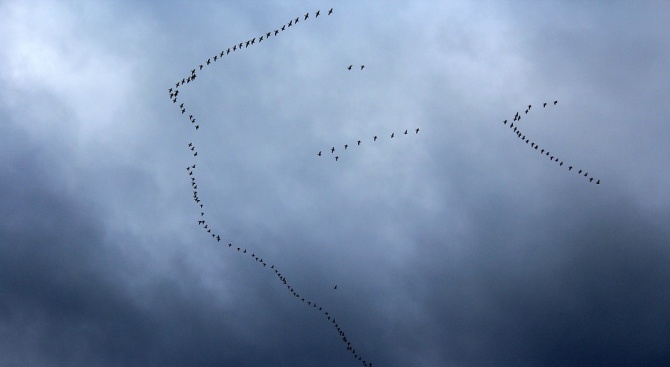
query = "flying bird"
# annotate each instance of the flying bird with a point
(335, 287)
(374, 138)
(317, 13)
(392, 135)
(319, 153)
(330, 11)
(417, 130)
(362, 66)
(555, 103)
(349, 67)
(332, 150)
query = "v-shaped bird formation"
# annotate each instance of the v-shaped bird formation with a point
(542, 150)
(191, 170)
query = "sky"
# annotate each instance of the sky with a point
(459, 245)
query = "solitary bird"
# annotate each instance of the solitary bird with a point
(405, 132)
(306, 16)
(317, 13)
(417, 130)
(598, 182)
(392, 135)
(359, 142)
(362, 66)
(349, 67)
(330, 11)
(374, 138)
(336, 158)
(555, 103)
(570, 168)
(332, 150)
(345, 146)
(335, 287)
(319, 153)
(545, 105)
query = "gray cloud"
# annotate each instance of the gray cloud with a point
(459, 245)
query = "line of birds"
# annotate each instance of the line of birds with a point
(202, 222)
(351, 66)
(533, 145)
(358, 143)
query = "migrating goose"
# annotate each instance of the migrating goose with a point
(317, 13)
(330, 11)
(392, 135)
(349, 67)
(417, 130)
(319, 153)
(332, 150)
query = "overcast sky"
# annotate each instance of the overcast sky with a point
(461, 245)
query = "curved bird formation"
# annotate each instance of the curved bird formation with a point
(202, 221)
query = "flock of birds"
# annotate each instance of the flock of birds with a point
(358, 143)
(191, 171)
(543, 151)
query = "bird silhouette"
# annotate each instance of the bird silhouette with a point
(319, 153)
(374, 138)
(556, 102)
(405, 132)
(332, 150)
(330, 11)
(336, 158)
(359, 142)
(392, 135)
(362, 67)
(417, 130)
(317, 13)
(349, 67)
(335, 287)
